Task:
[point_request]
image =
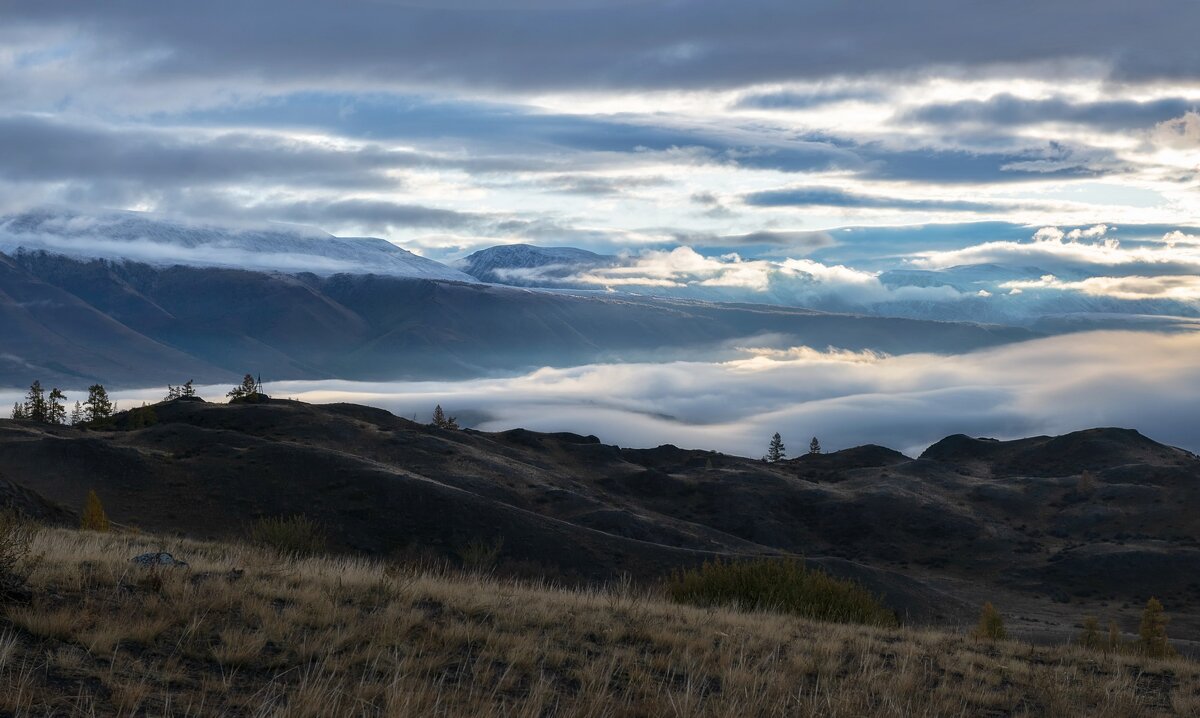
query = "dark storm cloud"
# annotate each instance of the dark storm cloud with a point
(833, 197)
(654, 43)
(1009, 110)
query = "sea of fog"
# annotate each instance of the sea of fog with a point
(1146, 381)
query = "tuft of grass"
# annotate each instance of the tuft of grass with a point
(784, 585)
(290, 535)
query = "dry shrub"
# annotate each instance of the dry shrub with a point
(17, 559)
(778, 585)
(292, 535)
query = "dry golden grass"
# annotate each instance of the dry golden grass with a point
(350, 637)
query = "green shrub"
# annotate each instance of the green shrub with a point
(778, 585)
(297, 534)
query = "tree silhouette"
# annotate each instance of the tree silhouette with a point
(35, 403)
(776, 450)
(186, 390)
(18, 411)
(249, 387)
(441, 421)
(77, 414)
(814, 446)
(97, 407)
(56, 409)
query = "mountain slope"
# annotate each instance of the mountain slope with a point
(525, 265)
(164, 243)
(354, 326)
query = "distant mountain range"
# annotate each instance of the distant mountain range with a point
(73, 321)
(163, 243)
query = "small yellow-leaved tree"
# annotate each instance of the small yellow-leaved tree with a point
(1152, 636)
(94, 518)
(991, 624)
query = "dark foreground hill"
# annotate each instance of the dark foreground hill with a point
(75, 322)
(1049, 528)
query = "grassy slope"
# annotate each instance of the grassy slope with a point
(342, 636)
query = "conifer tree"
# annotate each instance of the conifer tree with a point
(94, 518)
(18, 410)
(441, 421)
(814, 446)
(187, 390)
(56, 408)
(97, 407)
(77, 414)
(776, 450)
(1152, 635)
(35, 403)
(248, 388)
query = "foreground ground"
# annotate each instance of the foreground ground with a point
(245, 632)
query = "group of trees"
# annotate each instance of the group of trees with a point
(249, 388)
(51, 408)
(1151, 641)
(186, 390)
(441, 421)
(776, 451)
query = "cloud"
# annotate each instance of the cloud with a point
(631, 45)
(682, 271)
(1007, 110)
(1087, 250)
(1179, 133)
(835, 197)
(808, 99)
(1045, 386)
(1184, 288)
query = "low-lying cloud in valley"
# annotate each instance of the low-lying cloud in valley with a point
(1146, 381)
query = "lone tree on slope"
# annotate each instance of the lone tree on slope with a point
(814, 446)
(776, 450)
(97, 407)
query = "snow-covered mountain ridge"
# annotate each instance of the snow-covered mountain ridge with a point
(166, 242)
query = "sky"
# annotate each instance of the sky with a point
(613, 125)
(793, 150)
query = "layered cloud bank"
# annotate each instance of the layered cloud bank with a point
(452, 126)
(1146, 381)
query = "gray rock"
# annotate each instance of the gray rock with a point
(154, 560)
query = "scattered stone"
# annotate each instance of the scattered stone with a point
(154, 560)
